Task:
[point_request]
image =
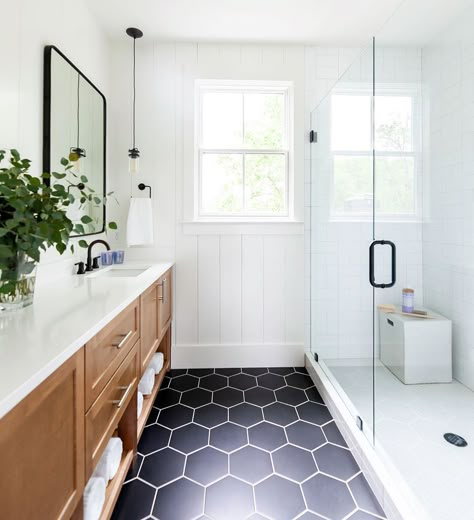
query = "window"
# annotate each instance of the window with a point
(395, 154)
(243, 150)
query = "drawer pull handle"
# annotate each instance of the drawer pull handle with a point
(123, 340)
(164, 286)
(127, 389)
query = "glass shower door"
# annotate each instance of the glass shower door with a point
(342, 208)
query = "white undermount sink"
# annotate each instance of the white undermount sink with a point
(119, 271)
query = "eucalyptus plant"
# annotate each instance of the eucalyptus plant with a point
(33, 217)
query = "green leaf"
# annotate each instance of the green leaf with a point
(85, 219)
(113, 225)
(58, 175)
(97, 200)
(64, 161)
(83, 243)
(84, 179)
(5, 251)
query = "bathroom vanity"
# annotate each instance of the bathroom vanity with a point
(69, 371)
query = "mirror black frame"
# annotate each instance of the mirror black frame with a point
(47, 121)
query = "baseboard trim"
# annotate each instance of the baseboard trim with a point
(394, 495)
(237, 355)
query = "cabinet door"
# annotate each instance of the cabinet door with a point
(165, 303)
(42, 448)
(149, 325)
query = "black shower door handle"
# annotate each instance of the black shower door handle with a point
(372, 267)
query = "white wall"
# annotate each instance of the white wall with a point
(448, 231)
(239, 289)
(26, 27)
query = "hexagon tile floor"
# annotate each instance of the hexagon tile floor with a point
(237, 444)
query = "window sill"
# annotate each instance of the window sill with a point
(243, 227)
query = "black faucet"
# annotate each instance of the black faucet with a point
(89, 263)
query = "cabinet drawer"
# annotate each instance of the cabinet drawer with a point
(102, 419)
(108, 349)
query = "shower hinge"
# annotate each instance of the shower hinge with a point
(360, 423)
(313, 137)
(316, 357)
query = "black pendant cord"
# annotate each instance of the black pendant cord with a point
(134, 92)
(78, 108)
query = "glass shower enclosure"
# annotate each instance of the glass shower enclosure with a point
(392, 207)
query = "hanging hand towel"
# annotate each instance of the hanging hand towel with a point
(140, 222)
(94, 498)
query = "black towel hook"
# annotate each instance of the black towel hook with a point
(142, 186)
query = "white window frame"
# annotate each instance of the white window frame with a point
(415, 153)
(242, 86)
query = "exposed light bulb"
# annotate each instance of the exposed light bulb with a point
(133, 165)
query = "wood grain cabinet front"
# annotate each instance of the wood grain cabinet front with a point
(106, 351)
(42, 448)
(104, 415)
(165, 305)
(149, 329)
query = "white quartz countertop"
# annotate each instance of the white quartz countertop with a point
(66, 313)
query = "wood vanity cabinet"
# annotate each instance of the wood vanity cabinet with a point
(52, 440)
(42, 448)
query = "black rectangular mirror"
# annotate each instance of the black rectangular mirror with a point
(74, 125)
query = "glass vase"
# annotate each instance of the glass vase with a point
(17, 282)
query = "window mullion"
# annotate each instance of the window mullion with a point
(244, 204)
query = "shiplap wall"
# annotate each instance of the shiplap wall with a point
(239, 290)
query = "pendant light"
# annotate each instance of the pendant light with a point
(77, 152)
(134, 152)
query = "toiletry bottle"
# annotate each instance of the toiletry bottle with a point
(408, 297)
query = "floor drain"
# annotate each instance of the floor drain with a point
(457, 440)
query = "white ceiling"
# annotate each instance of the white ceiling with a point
(323, 22)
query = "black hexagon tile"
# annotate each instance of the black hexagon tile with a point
(184, 382)
(228, 437)
(228, 397)
(281, 371)
(210, 415)
(180, 500)
(251, 464)
(259, 396)
(242, 381)
(154, 438)
(207, 465)
(196, 397)
(189, 438)
(246, 414)
(135, 501)
(176, 416)
(328, 497)
(279, 499)
(336, 461)
(305, 435)
(280, 413)
(302, 381)
(289, 395)
(217, 442)
(213, 382)
(167, 397)
(229, 498)
(267, 436)
(314, 413)
(162, 467)
(271, 381)
(294, 463)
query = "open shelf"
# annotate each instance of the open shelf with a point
(148, 400)
(115, 485)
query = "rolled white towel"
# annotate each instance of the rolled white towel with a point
(145, 386)
(94, 498)
(156, 362)
(110, 461)
(139, 404)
